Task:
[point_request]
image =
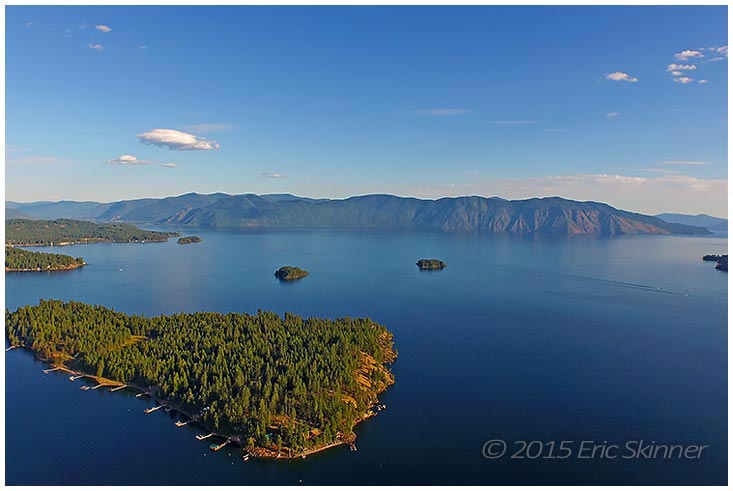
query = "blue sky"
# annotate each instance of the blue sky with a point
(337, 101)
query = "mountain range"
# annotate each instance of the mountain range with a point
(552, 216)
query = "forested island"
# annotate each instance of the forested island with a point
(22, 260)
(722, 261)
(289, 273)
(191, 239)
(23, 232)
(278, 386)
(430, 264)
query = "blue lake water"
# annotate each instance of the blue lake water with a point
(517, 339)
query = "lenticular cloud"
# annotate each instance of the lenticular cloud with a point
(176, 140)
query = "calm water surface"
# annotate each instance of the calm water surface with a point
(591, 339)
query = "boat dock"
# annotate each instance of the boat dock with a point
(74, 377)
(204, 437)
(216, 448)
(115, 389)
(151, 409)
(49, 370)
(183, 423)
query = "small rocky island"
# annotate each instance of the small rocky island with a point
(191, 239)
(289, 273)
(722, 261)
(430, 264)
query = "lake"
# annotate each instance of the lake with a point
(612, 340)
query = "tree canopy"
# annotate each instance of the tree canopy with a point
(63, 232)
(22, 260)
(268, 380)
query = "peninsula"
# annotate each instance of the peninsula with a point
(722, 261)
(22, 260)
(191, 239)
(289, 273)
(24, 232)
(430, 264)
(280, 387)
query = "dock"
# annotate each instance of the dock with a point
(151, 409)
(115, 389)
(74, 377)
(183, 423)
(85, 387)
(204, 437)
(49, 370)
(216, 448)
(141, 394)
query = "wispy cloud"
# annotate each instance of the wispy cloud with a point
(621, 77)
(675, 67)
(702, 81)
(102, 28)
(273, 175)
(176, 140)
(684, 162)
(169, 165)
(511, 122)
(683, 80)
(28, 25)
(612, 115)
(128, 160)
(140, 46)
(687, 54)
(208, 127)
(32, 160)
(96, 46)
(441, 111)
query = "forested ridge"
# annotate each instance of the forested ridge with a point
(22, 260)
(63, 232)
(271, 381)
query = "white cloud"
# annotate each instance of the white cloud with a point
(702, 81)
(717, 58)
(140, 46)
(621, 77)
(683, 80)
(176, 140)
(273, 175)
(684, 162)
(102, 28)
(612, 115)
(675, 67)
(128, 160)
(208, 127)
(511, 122)
(676, 74)
(688, 53)
(723, 50)
(444, 111)
(98, 47)
(170, 166)
(28, 25)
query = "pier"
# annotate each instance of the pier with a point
(142, 394)
(183, 423)
(103, 384)
(115, 389)
(152, 409)
(216, 448)
(74, 377)
(49, 370)
(204, 437)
